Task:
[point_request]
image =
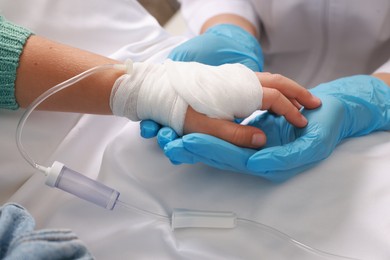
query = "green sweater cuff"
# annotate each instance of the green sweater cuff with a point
(12, 40)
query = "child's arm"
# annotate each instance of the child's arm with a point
(44, 63)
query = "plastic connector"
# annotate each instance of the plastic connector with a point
(127, 66)
(81, 186)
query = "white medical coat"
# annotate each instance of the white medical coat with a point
(310, 41)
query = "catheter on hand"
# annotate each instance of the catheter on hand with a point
(59, 175)
(68, 180)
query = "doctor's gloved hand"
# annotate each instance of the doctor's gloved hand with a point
(220, 44)
(351, 106)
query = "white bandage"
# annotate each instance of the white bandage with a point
(162, 92)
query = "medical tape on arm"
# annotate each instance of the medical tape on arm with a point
(162, 92)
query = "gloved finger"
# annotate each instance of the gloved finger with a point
(276, 128)
(289, 88)
(306, 150)
(240, 135)
(149, 128)
(209, 150)
(166, 135)
(275, 101)
(281, 176)
(176, 152)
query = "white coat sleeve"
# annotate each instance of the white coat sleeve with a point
(197, 12)
(385, 68)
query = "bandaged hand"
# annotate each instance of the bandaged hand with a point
(213, 96)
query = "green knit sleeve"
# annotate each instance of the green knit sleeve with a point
(12, 40)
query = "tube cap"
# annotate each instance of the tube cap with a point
(53, 173)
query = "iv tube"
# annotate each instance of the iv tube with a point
(189, 219)
(126, 67)
(60, 176)
(268, 229)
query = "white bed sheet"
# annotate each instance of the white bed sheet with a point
(341, 206)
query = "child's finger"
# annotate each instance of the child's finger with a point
(275, 101)
(240, 135)
(289, 88)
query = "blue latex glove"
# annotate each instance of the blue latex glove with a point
(352, 106)
(220, 44)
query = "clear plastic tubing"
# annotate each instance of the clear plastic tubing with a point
(60, 176)
(46, 95)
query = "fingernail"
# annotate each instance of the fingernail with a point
(317, 99)
(258, 140)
